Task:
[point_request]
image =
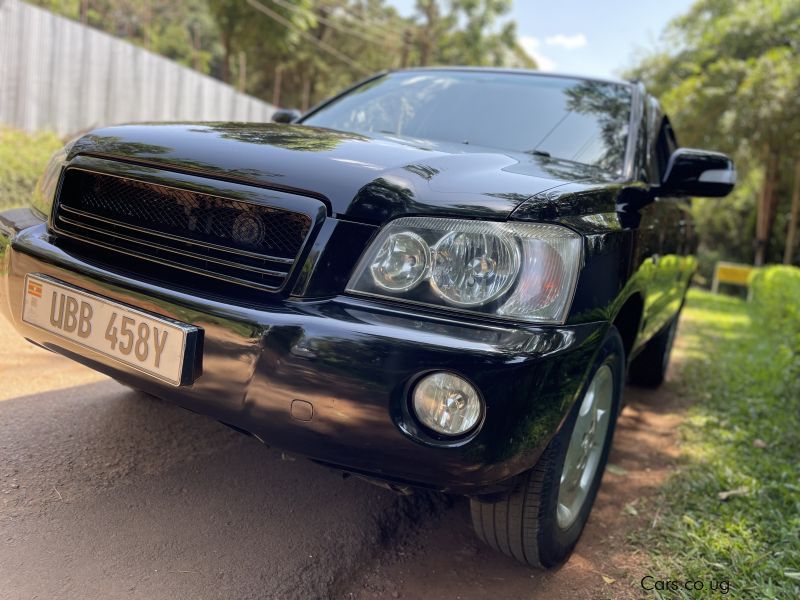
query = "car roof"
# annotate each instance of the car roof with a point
(515, 71)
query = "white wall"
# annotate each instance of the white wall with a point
(59, 75)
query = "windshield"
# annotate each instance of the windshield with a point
(570, 119)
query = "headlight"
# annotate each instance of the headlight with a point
(523, 271)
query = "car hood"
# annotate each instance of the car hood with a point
(366, 179)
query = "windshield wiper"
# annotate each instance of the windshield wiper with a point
(541, 153)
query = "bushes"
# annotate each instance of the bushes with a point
(23, 158)
(776, 301)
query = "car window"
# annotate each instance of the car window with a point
(666, 144)
(570, 119)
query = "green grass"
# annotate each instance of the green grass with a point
(23, 158)
(740, 434)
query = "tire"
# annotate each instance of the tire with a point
(649, 368)
(531, 523)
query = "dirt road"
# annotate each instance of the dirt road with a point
(106, 493)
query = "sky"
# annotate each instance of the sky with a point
(585, 37)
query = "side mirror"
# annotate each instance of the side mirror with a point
(698, 173)
(286, 115)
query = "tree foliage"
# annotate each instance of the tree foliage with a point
(469, 34)
(182, 31)
(728, 75)
(296, 52)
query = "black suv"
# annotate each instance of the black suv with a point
(438, 279)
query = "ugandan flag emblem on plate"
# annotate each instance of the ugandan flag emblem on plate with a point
(34, 289)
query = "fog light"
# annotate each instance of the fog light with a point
(447, 404)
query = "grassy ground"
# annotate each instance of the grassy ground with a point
(730, 517)
(23, 158)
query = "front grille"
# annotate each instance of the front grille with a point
(179, 235)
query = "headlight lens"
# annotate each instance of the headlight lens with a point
(524, 271)
(401, 262)
(471, 269)
(446, 403)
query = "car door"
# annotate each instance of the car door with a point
(671, 261)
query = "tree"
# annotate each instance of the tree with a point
(478, 42)
(243, 28)
(730, 79)
(433, 28)
(182, 31)
(344, 41)
(468, 34)
(298, 52)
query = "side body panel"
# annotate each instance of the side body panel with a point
(667, 232)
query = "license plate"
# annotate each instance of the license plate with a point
(153, 345)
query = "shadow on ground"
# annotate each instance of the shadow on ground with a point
(109, 493)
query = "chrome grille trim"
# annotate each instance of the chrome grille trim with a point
(278, 259)
(176, 265)
(163, 248)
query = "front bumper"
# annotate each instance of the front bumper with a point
(351, 360)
